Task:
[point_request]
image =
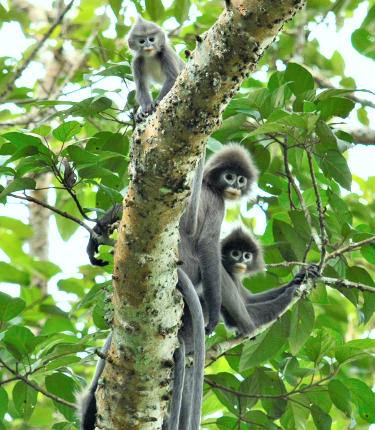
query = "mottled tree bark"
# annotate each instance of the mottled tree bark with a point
(164, 153)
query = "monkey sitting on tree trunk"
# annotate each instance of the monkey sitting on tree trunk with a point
(154, 63)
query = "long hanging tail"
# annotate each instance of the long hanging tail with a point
(178, 385)
(195, 395)
(191, 212)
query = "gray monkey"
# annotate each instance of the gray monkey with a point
(243, 311)
(228, 175)
(154, 62)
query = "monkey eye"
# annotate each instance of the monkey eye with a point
(229, 178)
(242, 181)
(247, 256)
(151, 39)
(141, 41)
(235, 254)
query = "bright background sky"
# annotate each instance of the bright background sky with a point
(72, 254)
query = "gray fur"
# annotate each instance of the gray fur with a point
(200, 252)
(242, 310)
(192, 332)
(191, 213)
(199, 249)
(154, 63)
(86, 401)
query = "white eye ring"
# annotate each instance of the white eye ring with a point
(247, 256)
(242, 181)
(229, 178)
(235, 254)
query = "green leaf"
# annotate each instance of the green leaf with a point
(333, 164)
(18, 185)
(258, 420)
(340, 396)
(266, 345)
(321, 419)
(89, 107)
(339, 207)
(290, 244)
(271, 384)
(299, 79)
(297, 413)
(20, 140)
(302, 324)
(364, 397)
(24, 399)
(181, 10)
(337, 92)
(10, 306)
(15, 341)
(66, 131)
(347, 354)
(363, 42)
(43, 130)
(95, 172)
(155, 9)
(335, 106)
(320, 345)
(64, 387)
(226, 398)
(10, 274)
(4, 400)
(81, 157)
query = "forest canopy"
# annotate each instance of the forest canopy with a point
(70, 150)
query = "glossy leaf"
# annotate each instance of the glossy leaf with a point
(302, 324)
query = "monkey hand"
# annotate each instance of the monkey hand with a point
(310, 272)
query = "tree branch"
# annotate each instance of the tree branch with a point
(37, 388)
(353, 246)
(19, 71)
(55, 210)
(344, 283)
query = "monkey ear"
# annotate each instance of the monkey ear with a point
(131, 43)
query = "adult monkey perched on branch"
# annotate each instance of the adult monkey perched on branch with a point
(163, 155)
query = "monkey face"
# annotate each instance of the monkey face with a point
(237, 261)
(233, 184)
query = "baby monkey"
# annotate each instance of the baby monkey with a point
(243, 311)
(154, 63)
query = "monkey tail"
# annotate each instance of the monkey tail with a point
(191, 297)
(178, 385)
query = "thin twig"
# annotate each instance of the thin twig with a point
(349, 248)
(55, 210)
(37, 388)
(79, 61)
(321, 211)
(30, 58)
(344, 283)
(301, 200)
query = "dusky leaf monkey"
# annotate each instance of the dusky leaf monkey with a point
(154, 63)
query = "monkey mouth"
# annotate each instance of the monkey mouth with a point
(239, 268)
(232, 193)
(149, 50)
